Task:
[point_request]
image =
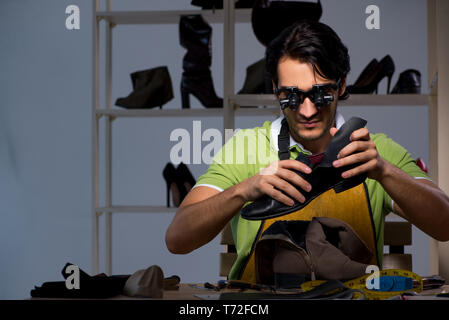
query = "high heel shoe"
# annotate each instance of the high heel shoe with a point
(173, 185)
(366, 74)
(186, 178)
(409, 82)
(372, 75)
(151, 88)
(195, 35)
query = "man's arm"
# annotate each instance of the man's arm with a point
(201, 216)
(206, 211)
(419, 201)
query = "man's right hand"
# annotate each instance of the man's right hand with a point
(274, 178)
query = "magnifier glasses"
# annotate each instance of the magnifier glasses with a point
(321, 95)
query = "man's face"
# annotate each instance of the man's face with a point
(306, 123)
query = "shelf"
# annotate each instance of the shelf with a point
(136, 209)
(169, 16)
(270, 106)
(160, 112)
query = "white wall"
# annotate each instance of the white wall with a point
(45, 130)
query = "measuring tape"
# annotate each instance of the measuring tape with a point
(360, 284)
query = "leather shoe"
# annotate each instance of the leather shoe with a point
(322, 178)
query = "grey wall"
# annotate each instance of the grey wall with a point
(45, 131)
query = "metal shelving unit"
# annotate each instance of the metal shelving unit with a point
(232, 102)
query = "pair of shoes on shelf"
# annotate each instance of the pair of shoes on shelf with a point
(368, 81)
(195, 36)
(151, 88)
(179, 182)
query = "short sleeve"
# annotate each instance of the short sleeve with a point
(235, 161)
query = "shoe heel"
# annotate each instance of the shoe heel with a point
(168, 196)
(185, 99)
(388, 83)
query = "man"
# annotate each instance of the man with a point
(306, 55)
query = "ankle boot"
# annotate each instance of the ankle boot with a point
(409, 82)
(254, 80)
(151, 88)
(195, 35)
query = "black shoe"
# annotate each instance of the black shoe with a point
(322, 178)
(409, 82)
(151, 88)
(255, 78)
(366, 74)
(185, 178)
(195, 35)
(372, 75)
(174, 186)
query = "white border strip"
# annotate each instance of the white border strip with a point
(208, 185)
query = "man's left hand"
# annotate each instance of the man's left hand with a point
(361, 150)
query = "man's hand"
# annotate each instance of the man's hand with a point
(274, 178)
(361, 150)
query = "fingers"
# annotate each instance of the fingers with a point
(273, 183)
(333, 131)
(295, 179)
(366, 167)
(360, 134)
(294, 164)
(356, 146)
(358, 157)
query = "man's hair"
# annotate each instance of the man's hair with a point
(312, 42)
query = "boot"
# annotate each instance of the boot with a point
(255, 78)
(195, 35)
(151, 88)
(409, 82)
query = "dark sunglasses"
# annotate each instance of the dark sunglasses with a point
(321, 95)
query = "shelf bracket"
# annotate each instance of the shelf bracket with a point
(99, 18)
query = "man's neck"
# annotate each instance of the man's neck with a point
(316, 146)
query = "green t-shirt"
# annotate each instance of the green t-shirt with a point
(251, 150)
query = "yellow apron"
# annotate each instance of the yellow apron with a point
(351, 206)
